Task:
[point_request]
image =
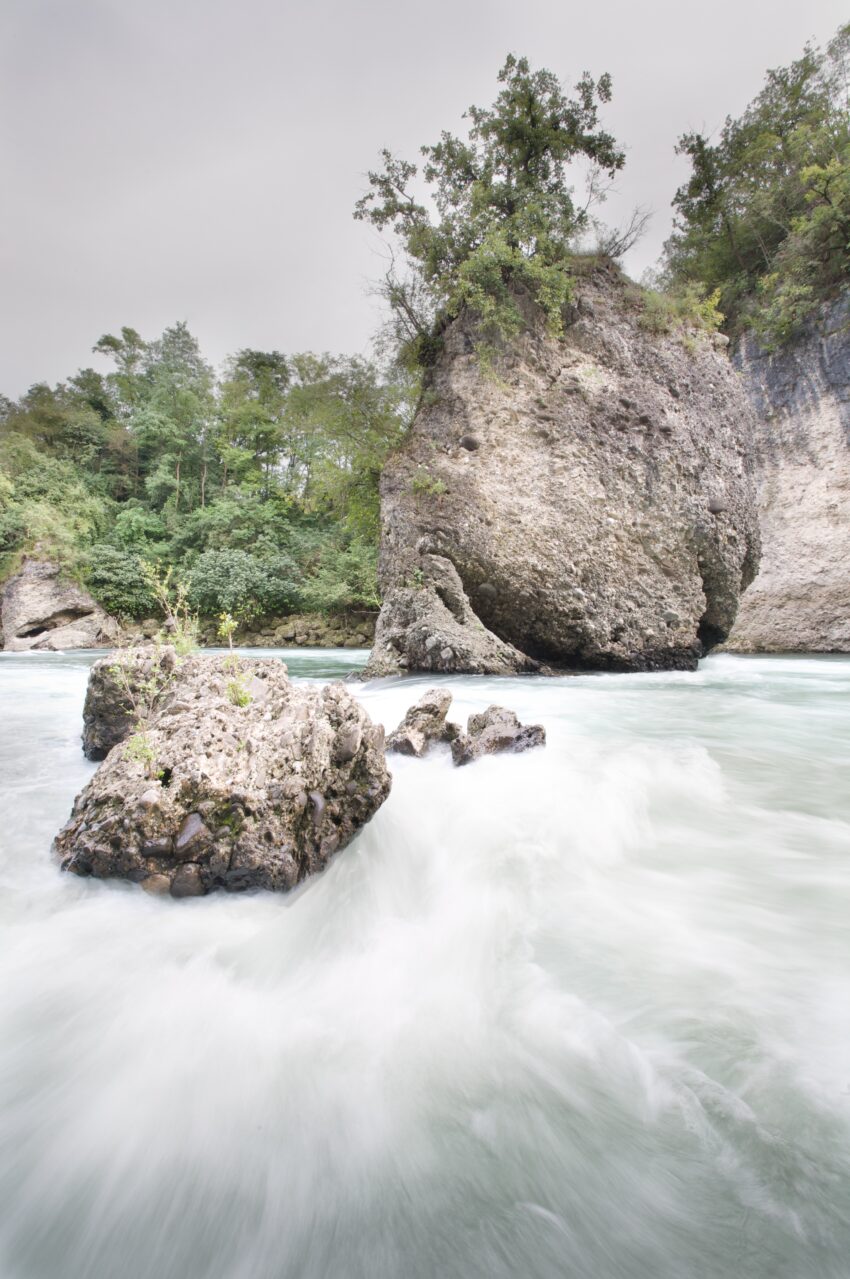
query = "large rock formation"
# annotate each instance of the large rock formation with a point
(40, 609)
(237, 779)
(589, 504)
(800, 600)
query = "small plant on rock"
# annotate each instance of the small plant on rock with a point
(236, 688)
(140, 750)
(426, 484)
(181, 624)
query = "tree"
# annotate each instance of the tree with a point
(765, 213)
(173, 423)
(504, 216)
(250, 431)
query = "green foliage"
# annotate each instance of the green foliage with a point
(680, 310)
(227, 625)
(765, 214)
(237, 582)
(170, 592)
(237, 691)
(426, 484)
(155, 462)
(505, 215)
(45, 501)
(117, 579)
(139, 748)
(346, 578)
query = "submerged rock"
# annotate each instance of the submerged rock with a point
(591, 506)
(495, 730)
(40, 609)
(424, 725)
(240, 778)
(487, 733)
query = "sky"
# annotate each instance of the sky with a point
(199, 160)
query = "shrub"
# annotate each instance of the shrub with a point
(118, 580)
(242, 584)
(347, 578)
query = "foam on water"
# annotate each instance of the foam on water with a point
(581, 1012)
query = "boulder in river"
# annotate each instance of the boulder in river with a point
(487, 732)
(424, 724)
(40, 609)
(493, 731)
(236, 778)
(592, 506)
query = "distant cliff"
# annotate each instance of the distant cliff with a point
(591, 504)
(800, 600)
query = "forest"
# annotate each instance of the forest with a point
(256, 487)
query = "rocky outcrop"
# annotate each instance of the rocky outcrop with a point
(123, 690)
(424, 725)
(589, 504)
(39, 609)
(238, 778)
(493, 731)
(800, 600)
(487, 733)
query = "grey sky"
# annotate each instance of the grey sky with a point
(199, 159)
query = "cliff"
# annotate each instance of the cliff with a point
(800, 600)
(591, 504)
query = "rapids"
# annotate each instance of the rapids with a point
(583, 1012)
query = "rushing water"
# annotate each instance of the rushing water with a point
(582, 1012)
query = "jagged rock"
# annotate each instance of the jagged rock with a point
(214, 794)
(424, 725)
(494, 730)
(583, 517)
(800, 600)
(117, 686)
(39, 609)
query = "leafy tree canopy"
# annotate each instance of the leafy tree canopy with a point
(501, 216)
(765, 213)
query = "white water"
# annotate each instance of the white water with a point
(583, 1012)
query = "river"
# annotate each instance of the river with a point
(579, 1013)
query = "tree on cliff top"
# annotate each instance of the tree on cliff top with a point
(765, 213)
(503, 215)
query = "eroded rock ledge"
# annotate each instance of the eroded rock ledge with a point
(590, 506)
(42, 610)
(238, 778)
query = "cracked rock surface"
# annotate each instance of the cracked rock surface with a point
(216, 795)
(592, 505)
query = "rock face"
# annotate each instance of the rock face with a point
(241, 779)
(493, 731)
(41, 610)
(487, 733)
(424, 724)
(592, 505)
(119, 689)
(800, 600)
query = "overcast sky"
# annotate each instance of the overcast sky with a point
(199, 159)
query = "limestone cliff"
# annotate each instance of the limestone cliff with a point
(590, 505)
(800, 600)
